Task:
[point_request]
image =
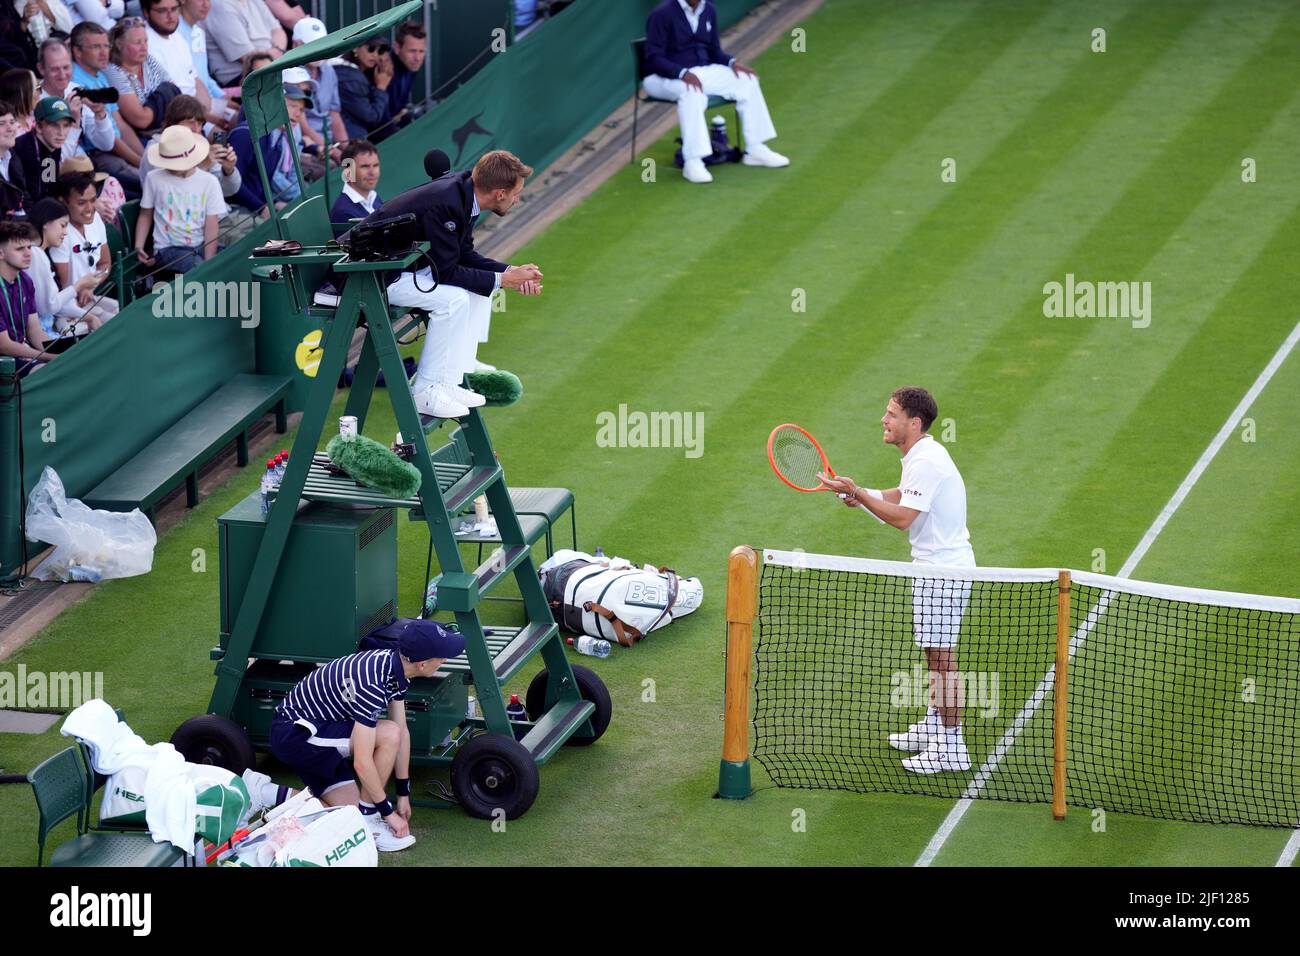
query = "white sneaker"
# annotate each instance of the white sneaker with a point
(483, 366)
(760, 155)
(386, 841)
(328, 299)
(467, 398)
(917, 737)
(947, 752)
(695, 172)
(439, 401)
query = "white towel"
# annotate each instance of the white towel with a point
(112, 743)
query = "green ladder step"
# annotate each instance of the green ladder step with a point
(556, 726)
(472, 484)
(499, 564)
(519, 651)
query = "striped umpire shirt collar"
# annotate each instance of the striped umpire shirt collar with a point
(358, 688)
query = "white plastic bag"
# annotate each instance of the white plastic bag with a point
(89, 545)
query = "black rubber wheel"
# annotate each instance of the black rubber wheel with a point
(591, 688)
(493, 772)
(216, 740)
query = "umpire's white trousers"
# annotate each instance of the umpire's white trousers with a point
(717, 80)
(458, 321)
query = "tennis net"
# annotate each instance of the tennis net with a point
(1179, 703)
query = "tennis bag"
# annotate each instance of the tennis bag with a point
(613, 599)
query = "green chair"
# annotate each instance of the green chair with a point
(94, 783)
(639, 96)
(61, 788)
(121, 246)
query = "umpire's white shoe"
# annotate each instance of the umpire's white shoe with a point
(483, 366)
(917, 737)
(467, 398)
(439, 401)
(695, 172)
(385, 839)
(761, 155)
(947, 752)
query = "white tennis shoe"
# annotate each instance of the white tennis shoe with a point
(947, 752)
(467, 398)
(440, 402)
(917, 737)
(761, 155)
(386, 840)
(694, 171)
(483, 366)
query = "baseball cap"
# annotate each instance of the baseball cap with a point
(51, 109)
(308, 29)
(296, 74)
(297, 93)
(422, 640)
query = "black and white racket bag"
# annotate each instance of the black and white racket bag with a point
(612, 598)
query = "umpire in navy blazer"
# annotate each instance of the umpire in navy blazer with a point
(460, 308)
(685, 62)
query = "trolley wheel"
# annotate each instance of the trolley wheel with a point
(591, 688)
(494, 772)
(216, 740)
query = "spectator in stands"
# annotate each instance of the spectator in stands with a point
(685, 62)
(89, 58)
(53, 140)
(57, 308)
(408, 62)
(21, 335)
(360, 177)
(13, 184)
(182, 203)
(52, 13)
(103, 12)
(364, 77)
(309, 143)
(192, 30)
(109, 195)
(92, 127)
(460, 306)
(16, 46)
(85, 248)
(143, 86)
(287, 14)
(325, 98)
(239, 27)
(277, 154)
(168, 46)
(18, 89)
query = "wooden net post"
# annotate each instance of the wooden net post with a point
(1061, 694)
(742, 609)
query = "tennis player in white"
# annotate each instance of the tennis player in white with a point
(930, 504)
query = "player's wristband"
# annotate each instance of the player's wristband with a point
(385, 808)
(403, 786)
(874, 493)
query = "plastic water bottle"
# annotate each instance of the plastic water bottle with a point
(268, 486)
(600, 553)
(281, 461)
(591, 646)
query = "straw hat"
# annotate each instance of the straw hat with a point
(81, 164)
(178, 149)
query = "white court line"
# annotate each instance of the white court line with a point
(1289, 851)
(1049, 680)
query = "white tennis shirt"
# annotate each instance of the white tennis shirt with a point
(932, 485)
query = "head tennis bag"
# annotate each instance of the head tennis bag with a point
(612, 598)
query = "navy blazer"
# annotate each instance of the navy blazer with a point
(345, 209)
(442, 210)
(671, 47)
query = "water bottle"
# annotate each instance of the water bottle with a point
(268, 486)
(516, 711)
(718, 136)
(281, 463)
(38, 28)
(591, 646)
(600, 553)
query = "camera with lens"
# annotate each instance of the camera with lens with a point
(105, 96)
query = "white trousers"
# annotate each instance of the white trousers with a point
(717, 80)
(458, 321)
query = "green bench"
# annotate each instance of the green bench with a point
(179, 452)
(61, 789)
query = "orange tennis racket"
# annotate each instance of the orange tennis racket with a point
(796, 457)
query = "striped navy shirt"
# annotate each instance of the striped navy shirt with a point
(357, 688)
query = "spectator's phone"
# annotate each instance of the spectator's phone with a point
(219, 137)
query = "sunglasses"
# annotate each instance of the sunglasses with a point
(377, 47)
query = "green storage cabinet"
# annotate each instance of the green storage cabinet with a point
(336, 583)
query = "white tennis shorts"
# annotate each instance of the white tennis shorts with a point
(938, 606)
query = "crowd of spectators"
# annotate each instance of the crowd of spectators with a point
(103, 102)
